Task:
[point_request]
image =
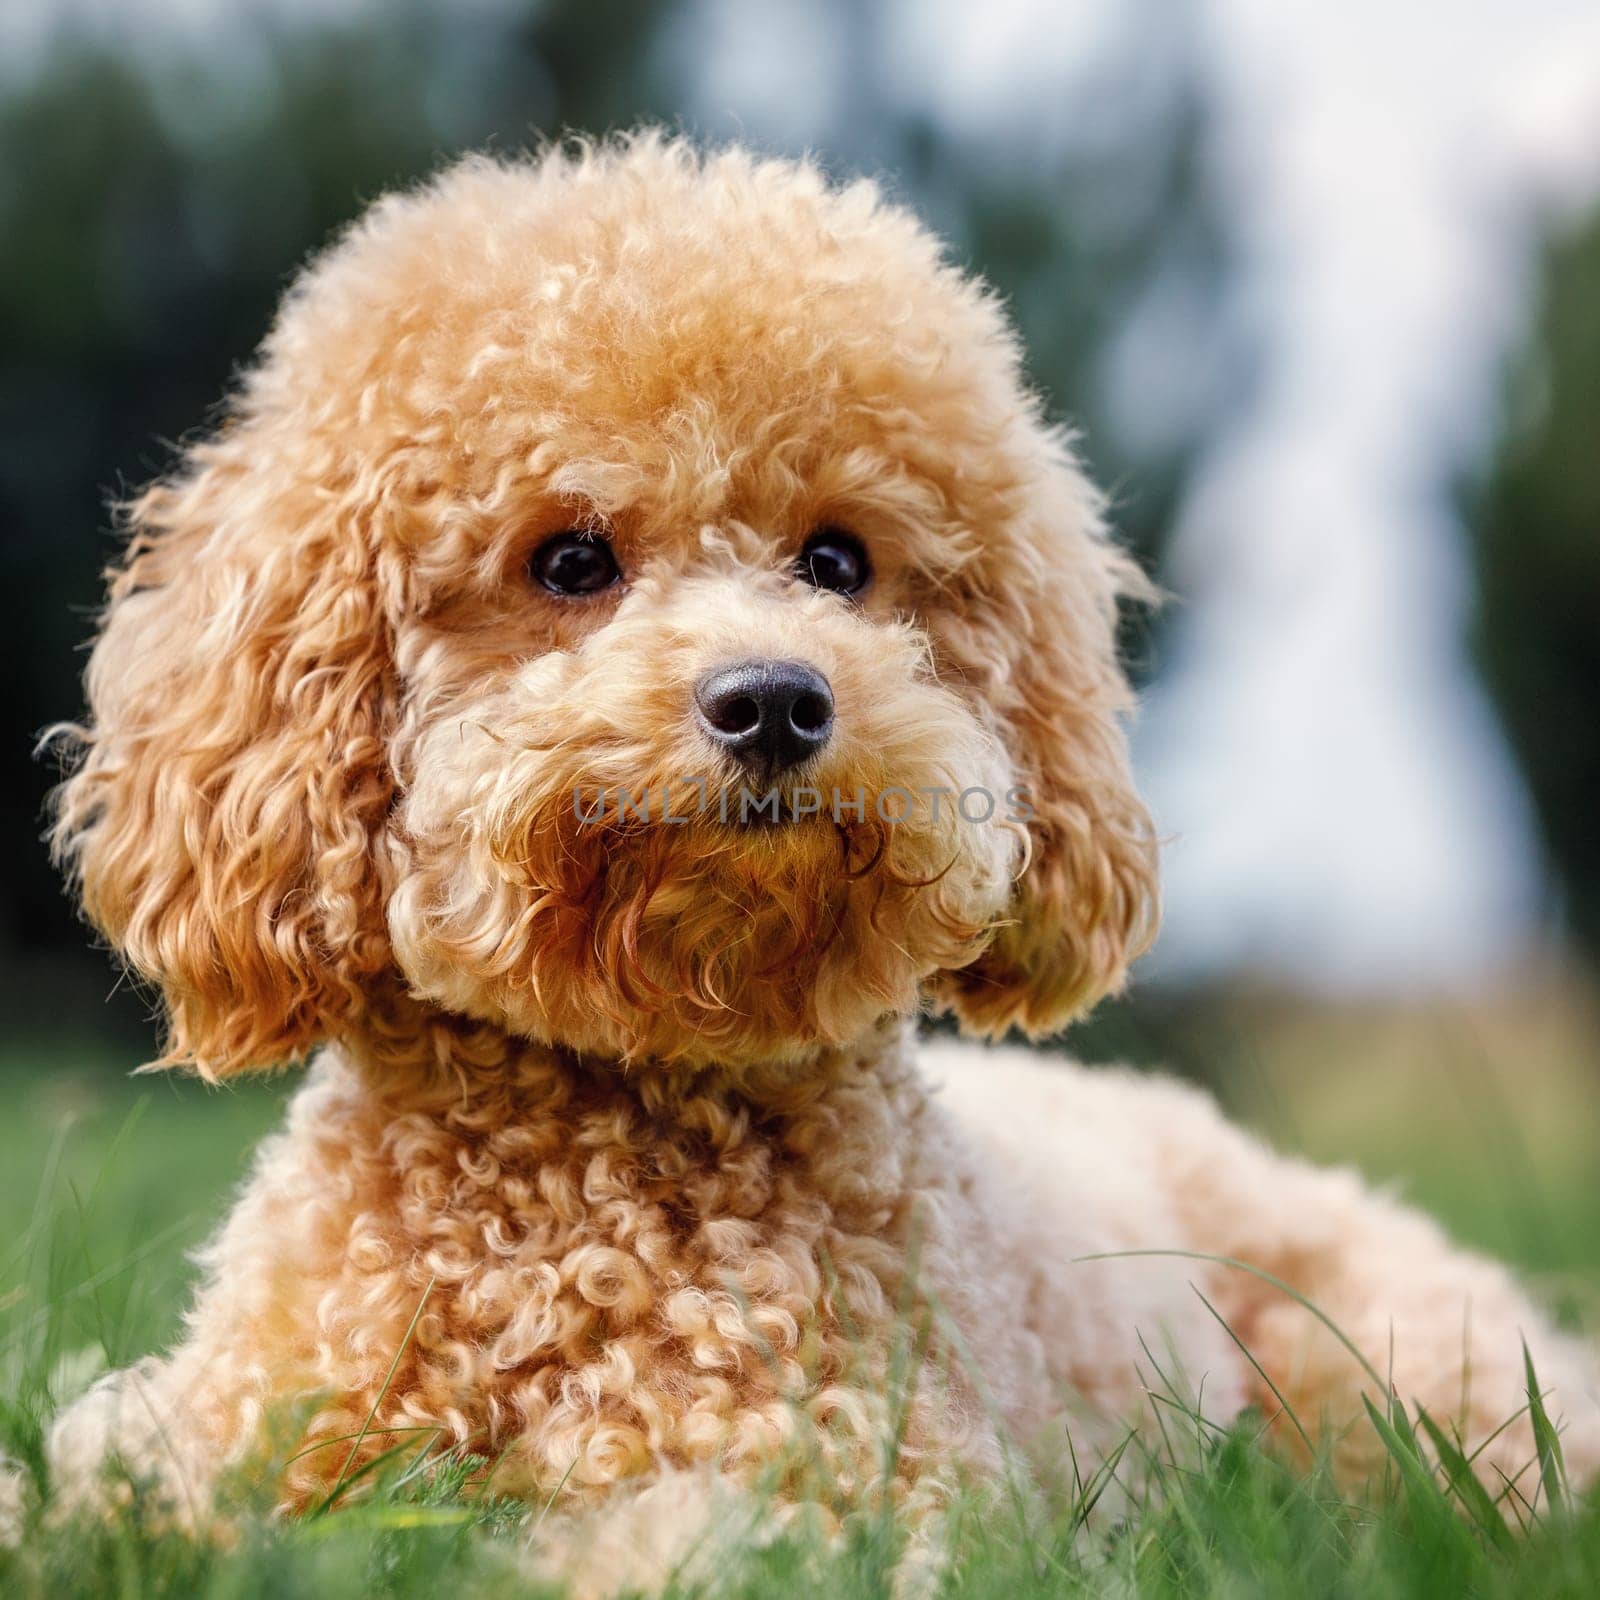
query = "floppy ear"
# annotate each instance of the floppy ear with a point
(1086, 903)
(219, 821)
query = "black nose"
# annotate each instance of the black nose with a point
(767, 714)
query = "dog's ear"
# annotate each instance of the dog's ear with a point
(219, 820)
(1086, 902)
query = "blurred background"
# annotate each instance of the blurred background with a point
(1321, 287)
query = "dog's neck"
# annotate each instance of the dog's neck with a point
(423, 1058)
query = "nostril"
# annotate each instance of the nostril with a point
(736, 714)
(810, 713)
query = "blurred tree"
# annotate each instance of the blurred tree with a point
(156, 203)
(1536, 544)
(1114, 253)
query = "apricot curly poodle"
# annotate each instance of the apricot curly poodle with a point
(561, 485)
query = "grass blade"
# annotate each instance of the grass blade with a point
(1465, 1484)
(1430, 1511)
(1552, 1464)
(372, 1411)
(1266, 1277)
(1261, 1372)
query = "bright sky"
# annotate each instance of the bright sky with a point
(1340, 804)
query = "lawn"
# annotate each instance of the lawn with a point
(1490, 1119)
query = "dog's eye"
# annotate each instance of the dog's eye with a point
(836, 560)
(574, 563)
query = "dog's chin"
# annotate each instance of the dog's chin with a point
(707, 943)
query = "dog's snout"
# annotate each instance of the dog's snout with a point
(766, 714)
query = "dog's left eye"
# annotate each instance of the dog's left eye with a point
(574, 563)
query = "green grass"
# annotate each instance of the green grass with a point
(105, 1183)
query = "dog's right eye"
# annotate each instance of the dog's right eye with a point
(835, 560)
(574, 563)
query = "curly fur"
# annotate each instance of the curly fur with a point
(630, 1110)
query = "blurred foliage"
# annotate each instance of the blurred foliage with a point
(1537, 548)
(155, 202)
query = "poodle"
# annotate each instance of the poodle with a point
(634, 644)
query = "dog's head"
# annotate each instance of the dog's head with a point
(579, 516)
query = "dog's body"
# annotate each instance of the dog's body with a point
(626, 470)
(619, 1289)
